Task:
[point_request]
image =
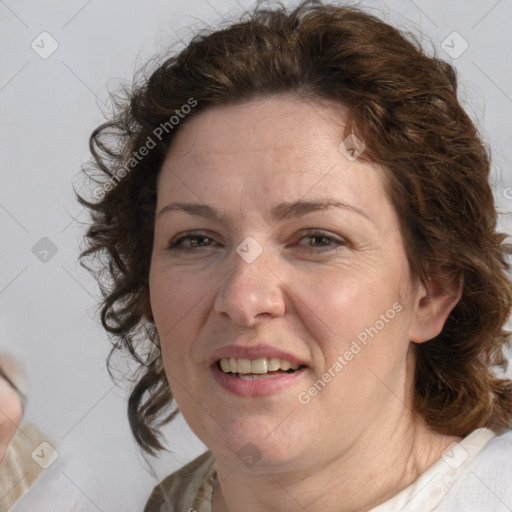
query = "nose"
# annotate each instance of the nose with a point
(250, 292)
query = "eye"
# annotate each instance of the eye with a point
(316, 240)
(190, 241)
(321, 241)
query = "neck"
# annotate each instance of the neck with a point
(358, 479)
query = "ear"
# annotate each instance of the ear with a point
(433, 303)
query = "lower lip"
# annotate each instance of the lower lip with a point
(257, 387)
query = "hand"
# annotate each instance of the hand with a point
(11, 402)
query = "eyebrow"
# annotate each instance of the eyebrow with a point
(279, 212)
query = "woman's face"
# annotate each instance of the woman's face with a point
(247, 263)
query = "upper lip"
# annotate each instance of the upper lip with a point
(252, 352)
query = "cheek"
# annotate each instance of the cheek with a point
(178, 305)
(341, 302)
(172, 298)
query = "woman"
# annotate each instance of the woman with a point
(295, 211)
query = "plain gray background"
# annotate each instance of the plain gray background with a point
(48, 107)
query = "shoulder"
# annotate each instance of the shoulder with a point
(485, 483)
(185, 487)
(503, 440)
(495, 459)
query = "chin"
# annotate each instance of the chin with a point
(251, 444)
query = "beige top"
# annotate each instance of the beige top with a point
(19, 469)
(190, 488)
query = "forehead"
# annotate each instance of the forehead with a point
(283, 146)
(252, 126)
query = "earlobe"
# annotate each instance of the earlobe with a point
(435, 300)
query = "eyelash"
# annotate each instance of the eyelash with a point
(175, 244)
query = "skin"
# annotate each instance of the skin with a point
(357, 442)
(11, 414)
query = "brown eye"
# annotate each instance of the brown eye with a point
(321, 240)
(189, 242)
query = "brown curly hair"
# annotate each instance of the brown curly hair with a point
(403, 104)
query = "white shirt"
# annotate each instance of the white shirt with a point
(474, 475)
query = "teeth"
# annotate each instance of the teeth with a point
(255, 366)
(273, 364)
(285, 365)
(225, 365)
(243, 366)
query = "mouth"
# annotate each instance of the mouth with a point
(256, 369)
